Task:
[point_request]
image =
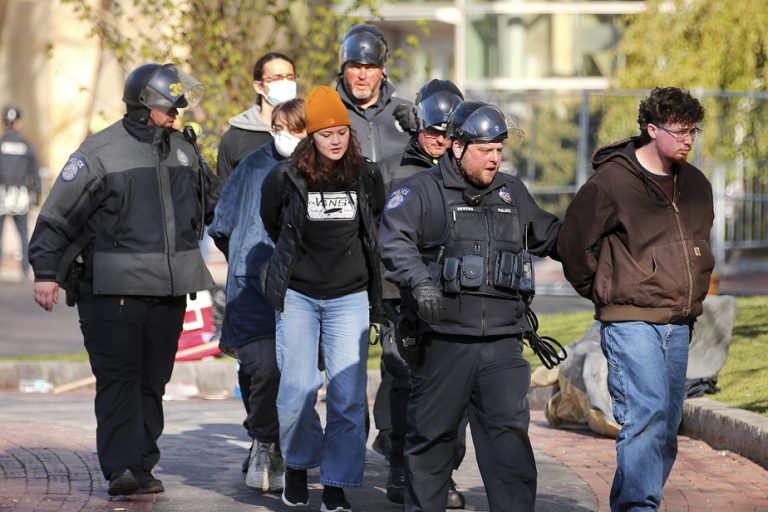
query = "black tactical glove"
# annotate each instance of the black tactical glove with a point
(406, 118)
(430, 300)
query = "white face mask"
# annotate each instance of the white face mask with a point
(285, 143)
(280, 92)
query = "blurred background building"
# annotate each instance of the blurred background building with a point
(550, 64)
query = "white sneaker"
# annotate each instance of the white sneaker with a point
(275, 469)
(258, 474)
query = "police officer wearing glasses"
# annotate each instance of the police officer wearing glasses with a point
(120, 230)
(453, 239)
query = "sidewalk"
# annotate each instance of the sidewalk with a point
(48, 464)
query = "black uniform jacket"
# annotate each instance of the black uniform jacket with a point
(416, 221)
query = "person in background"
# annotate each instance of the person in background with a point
(635, 241)
(19, 181)
(321, 208)
(453, 240)
(120, 229)
(434, 103)
(274, 81)
(248, 329)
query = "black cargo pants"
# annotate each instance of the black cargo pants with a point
(489, 377)
(131, 343)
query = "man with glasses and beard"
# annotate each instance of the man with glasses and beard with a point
(635, 241)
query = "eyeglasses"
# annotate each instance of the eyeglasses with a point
(681, 135)
(432, 133)
(276, 78)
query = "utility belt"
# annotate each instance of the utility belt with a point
(512, 276)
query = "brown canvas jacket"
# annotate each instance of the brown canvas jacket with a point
(633, 251)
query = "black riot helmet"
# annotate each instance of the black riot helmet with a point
(434, 103)
(364, 44)
(161, 87)
(10, 115)
(475, 121)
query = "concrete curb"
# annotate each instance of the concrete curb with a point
(720, 426)
(727, 428)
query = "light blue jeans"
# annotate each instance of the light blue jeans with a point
(646, 379)
(341, 326)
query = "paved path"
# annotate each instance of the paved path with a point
(47, 464)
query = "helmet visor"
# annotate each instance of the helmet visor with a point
(171, 88)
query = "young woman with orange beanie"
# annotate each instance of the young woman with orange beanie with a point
(321, 208)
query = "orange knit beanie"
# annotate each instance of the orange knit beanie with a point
(324, 109)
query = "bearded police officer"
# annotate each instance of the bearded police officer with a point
(454, 239)
(434, 103)
(130, 204)
(380, 120)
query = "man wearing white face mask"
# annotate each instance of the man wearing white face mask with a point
(248, 329)
(274, 81)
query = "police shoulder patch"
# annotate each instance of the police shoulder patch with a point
(398, 198)
(182, 157)
(72, 168)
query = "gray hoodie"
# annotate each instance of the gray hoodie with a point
(247, 133)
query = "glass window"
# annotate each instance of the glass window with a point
(541, 45)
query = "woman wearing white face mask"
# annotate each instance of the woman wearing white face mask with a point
(274, 81)
(248, 329)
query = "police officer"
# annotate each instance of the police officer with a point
(380, 126)
(434, 103)
(132, 202)
(19, 180)
(455, 238)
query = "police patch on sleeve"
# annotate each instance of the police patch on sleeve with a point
(182, 157)
(397, 198)
(73, 167)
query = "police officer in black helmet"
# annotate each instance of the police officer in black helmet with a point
(452, 239)
(119, 231)
(434, 103)
(380, 119)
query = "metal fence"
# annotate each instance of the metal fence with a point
(563, 130)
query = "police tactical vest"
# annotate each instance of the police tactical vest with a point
(482, 244)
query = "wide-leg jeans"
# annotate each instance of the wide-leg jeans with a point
(341, 325)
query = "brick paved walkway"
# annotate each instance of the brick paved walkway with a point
(47, 464)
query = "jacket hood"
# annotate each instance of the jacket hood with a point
(250, 120)
(621, 152)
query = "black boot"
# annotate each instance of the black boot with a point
(455, 498)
